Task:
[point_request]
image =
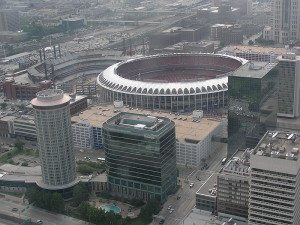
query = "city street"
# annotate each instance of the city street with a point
(186, 203)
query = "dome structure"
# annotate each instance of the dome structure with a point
(172, 81)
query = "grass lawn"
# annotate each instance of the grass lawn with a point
(88, 167)
(7, 157)
(139, 221)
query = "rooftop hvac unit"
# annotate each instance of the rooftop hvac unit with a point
(274, 154)
(118, 104)
(290, 156)
(290, 136)
(274, 135)
(295, 151)
(197, 114)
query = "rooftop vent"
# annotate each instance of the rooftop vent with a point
(274, 154)
(289, 55)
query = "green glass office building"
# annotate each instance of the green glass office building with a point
(252, 104)
(140, 156)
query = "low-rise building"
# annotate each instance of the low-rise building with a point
(233, 187)
(24, 127)
(82, 135)
(78, 103)
(194, 134)
(6, 126)
(254, 53)
(206, 196)
(21, 87)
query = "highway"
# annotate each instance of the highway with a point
(26, 212)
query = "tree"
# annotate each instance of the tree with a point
(151, 208)
(57, 203)
(250, 42)
(80, 194)
(19, 146)
(3, 105)
(45, 199)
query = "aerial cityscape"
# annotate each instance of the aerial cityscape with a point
(147, 112)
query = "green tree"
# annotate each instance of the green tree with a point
(57, 203)
(19, 146)
(151, 208)
(250, 42)
(80, 194)
(45, 199)
(3, 105)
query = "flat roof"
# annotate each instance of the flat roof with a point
(99, 178)
(239, 164)
(184, 125)
(50, 97)
(208, 185)
(277, 151)
(23, 79)
(8, 118)
(279, 144)
(255, 49)
(253, 69)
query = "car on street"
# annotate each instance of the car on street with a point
(178, 197)
(169, 207)
(39, 222)
(171, 210)
(161, 221)
(192, 185)
(14, 209)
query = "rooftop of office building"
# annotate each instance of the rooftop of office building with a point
(138, 123)
(254, 49)
(278, 152)
(254, 69)
(239, 164)
(50, 97)
(279, 144)
(188, 129)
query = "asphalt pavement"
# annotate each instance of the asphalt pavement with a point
(28, 211)
(183, 206)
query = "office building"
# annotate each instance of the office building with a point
(206, 196)
(140, 156)
(82, 135)
(285, 21)
(233, 187)
(289, 85)
(196, 136)
(275, 177)
(24, 128)
(54, 136)
(252, 104)
(6, 126)
(9, 20)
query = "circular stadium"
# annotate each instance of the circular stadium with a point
(176, 82)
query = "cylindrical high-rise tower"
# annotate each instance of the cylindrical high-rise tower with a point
(53, 126)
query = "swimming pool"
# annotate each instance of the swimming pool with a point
(111, 208)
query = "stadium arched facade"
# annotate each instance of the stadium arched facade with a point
(176, 82)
